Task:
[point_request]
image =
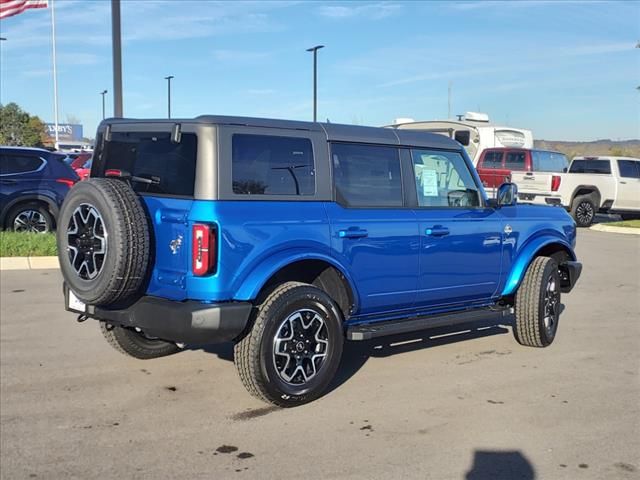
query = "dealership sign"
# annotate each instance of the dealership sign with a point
(66, 131)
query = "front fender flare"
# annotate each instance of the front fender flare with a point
(253, 283)
(526, 256)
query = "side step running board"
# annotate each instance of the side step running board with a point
(394, 327)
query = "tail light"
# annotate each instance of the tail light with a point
(555, 182)
(204, 249)
(66, 181)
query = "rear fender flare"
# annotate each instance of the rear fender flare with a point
(252, 284)
(526, 256)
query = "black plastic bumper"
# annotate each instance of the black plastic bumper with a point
(570, 274)
(182, 322)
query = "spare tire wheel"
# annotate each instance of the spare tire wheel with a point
(103, 241)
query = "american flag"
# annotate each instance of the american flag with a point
(14, 7)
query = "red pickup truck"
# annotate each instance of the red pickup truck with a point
(496, 164)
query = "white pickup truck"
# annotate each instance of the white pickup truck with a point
(591, 185)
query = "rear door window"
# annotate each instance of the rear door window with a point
(629, 168)
(515, 161)
(590, 166)
(492, 160)
(367, 175)
(171, 167)
(17, 164)
(272, 165)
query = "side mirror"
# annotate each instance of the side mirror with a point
(507, 195)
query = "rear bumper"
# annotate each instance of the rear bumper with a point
(181, 322)
(570, 273)
(539, 198)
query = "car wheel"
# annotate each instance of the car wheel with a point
(293, 349)
(135, 343)
(104, 242)
(30, 217)
(583, 210)
(537, 305)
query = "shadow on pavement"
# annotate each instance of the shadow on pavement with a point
(356, 354)
(500, 465)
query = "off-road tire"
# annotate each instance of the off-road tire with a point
(583, 210)
(25, 207)
(529, 328)
(124, 269)
(135, 344)
(253, 354)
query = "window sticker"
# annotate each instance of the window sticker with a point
(429, 183)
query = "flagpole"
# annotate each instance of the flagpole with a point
(55, 73)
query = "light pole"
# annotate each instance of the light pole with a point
(315, 78)
(168, 79)
(103, 93)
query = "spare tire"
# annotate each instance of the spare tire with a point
(103, 242)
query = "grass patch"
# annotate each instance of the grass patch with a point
(626, 223)
(20, 244)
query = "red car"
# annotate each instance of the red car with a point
(496, 164)
(84, 172)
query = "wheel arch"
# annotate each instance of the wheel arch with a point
(541, 247)
(26, 199)
(587, 190)
(316, 269)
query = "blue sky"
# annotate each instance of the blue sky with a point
(568, 70)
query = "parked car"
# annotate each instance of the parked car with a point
(593, 184)
(78, 160)
(288, 237)
(85, 171)
(496, 165)
(33, 184)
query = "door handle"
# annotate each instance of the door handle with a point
(623, 183)
(437, 231)
(353, 232)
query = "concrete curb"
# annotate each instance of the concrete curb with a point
(600, 227)
(28, 263)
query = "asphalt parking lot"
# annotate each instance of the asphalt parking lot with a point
(471, 405)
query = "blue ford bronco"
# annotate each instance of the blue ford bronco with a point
(289, 237)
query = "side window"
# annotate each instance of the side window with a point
(549, 161)
(492, 160)
(443, 179)
(366, 175)
(270, 165)
(515, 161)
(16, 164)
(629, 168)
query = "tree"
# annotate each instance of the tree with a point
(18, 128)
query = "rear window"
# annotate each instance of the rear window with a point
(271, 165)
(515, 161)
(590, 166)
(492, 160)
(549, 161)
(171, 166)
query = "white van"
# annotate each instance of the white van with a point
(474, 131)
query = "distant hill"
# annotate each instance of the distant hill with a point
(619, 148)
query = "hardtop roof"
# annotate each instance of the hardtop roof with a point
(333, 131)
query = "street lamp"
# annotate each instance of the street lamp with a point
(315, 78)
(103, 93)
(168, 79)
